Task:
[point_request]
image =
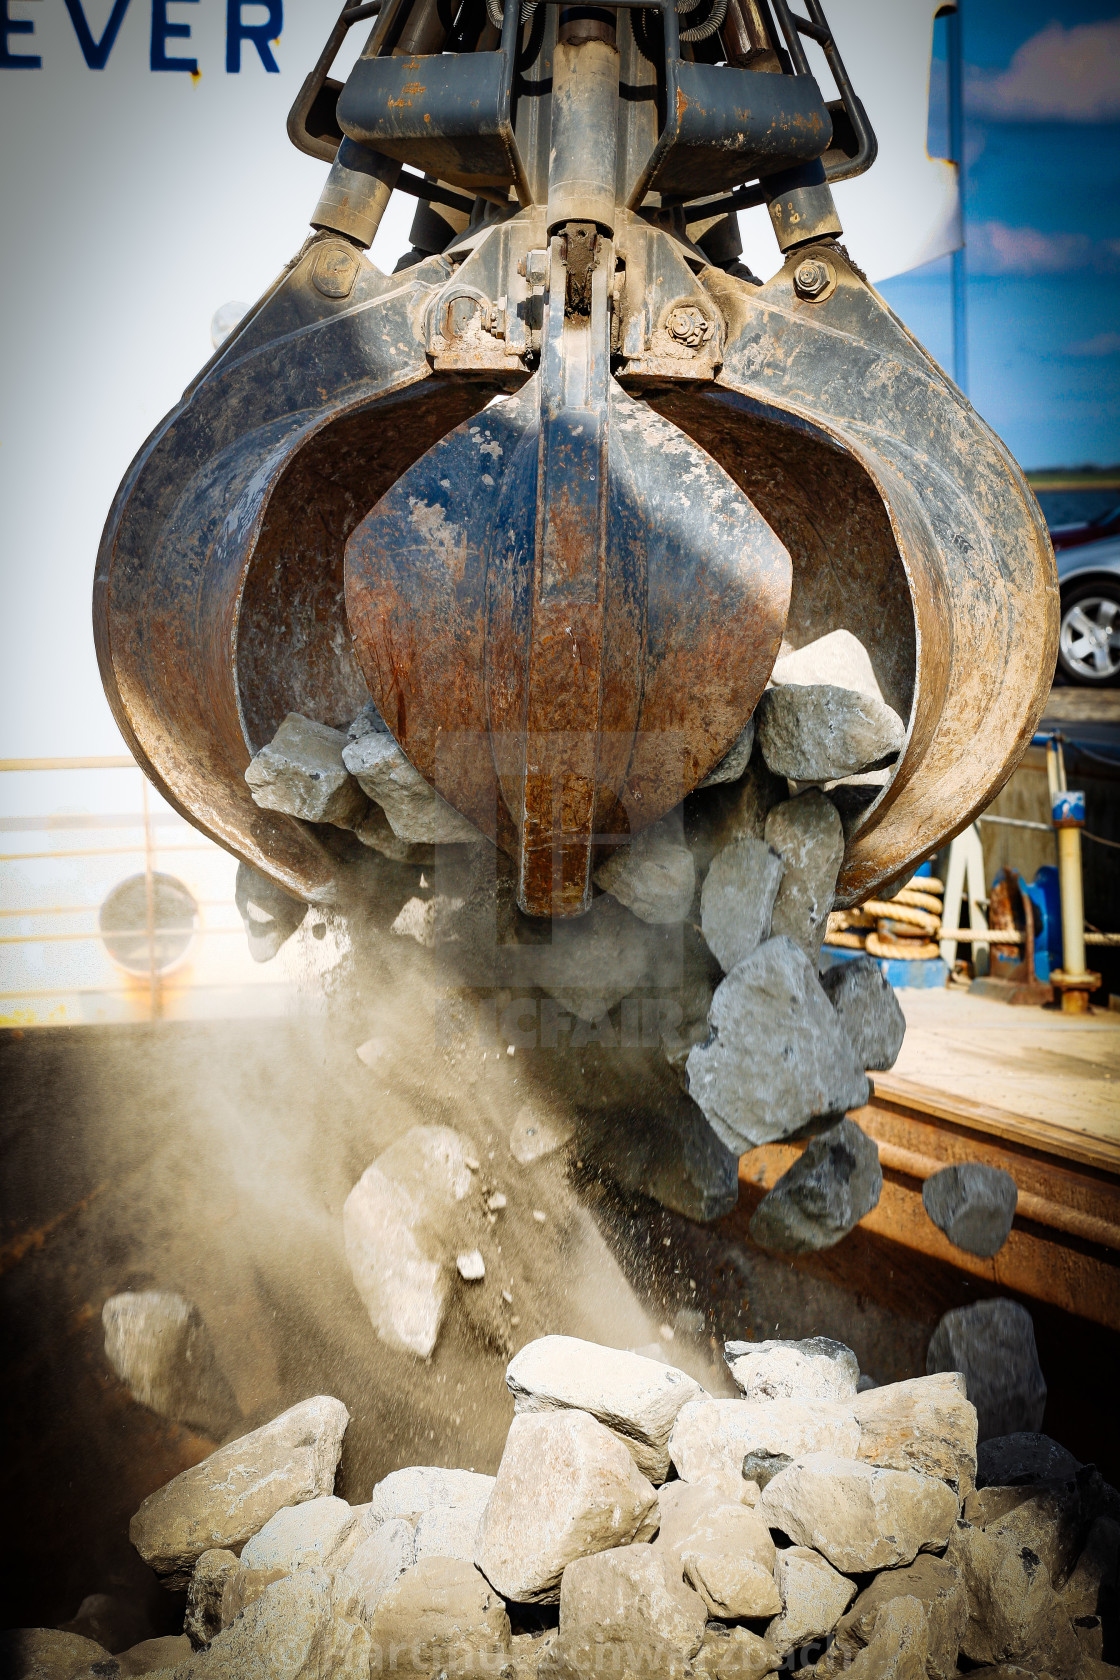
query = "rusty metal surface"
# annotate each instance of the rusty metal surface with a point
(1064, 1245)
(969, 542)
(195, 556)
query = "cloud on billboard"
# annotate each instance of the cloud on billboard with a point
(1059, 75)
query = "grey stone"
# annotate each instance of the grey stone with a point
(734, 1653)
(808, 836)
(718, 816)
(203, 1620)
(287, 1633)
(368, 720)
(737, 900)
(416, 812)
(654, 876)
(595, 960)
(301, 1535)
(161, 1350)
(301, 772)
(48, 1654)
(376, 832)
(637, 1399)
(230, 1495)
(833, 1184)
(1014, 1614)
(992, 1344)
(421, 1487)
(1093, 1586)
(622, 1614)
(888, 1642)
(815, 1369)
(777, 1057)
(674, 1157)
(400, 1224)
(734, 761)
(1023, 1459)
(814, 1597)
(859, 1516)
(440, 1616)
(566, 1487)
(974, 1204)
(269, 915)
(728, 1558)
(817, 732)
(839, 659)
(869, 1011)
(375, 1564)
(1047, 1520)
(938, 1589)
(153, 1654)
(711, 1438)
(925, 1424)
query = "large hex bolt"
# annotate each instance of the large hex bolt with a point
(688, 325)
(812, 278)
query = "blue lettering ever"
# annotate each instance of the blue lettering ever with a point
(163, 31)
(16, 26)
(96, 53)
(260, 34)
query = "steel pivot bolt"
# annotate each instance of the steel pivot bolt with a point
(688, 326)
(812, 277)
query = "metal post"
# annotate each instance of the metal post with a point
(959, 270)
(1073, 980)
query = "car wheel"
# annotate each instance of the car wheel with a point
(1089, 637)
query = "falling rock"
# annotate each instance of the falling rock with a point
(728, 1558)
(839, 659)
(1023, 1459)
(734, 761)
(151, 1655)
(375, 1564)
(891, 1641)
(49, 1654)
(375, 832)
(422, 1487)
(440, 1616)
(566, 1487)
(301, 1535)
(737, 900)
(777, 1056)
(834, 1183)
(203, 1620)
(637, 1399)
(938, 1589)
(859, 1516)
(230, 1495)
(992, 1345)
(925, 1424)
(734, 1653)
(808, 836)
(535, 1135)
(716, 817)
(270, 915)
(817, 732)
(869, 1011)
(622, 1613)
(815, 1369)
(593, 961)
(974, 1204)
(814, 1597)
(416, 812)
(654, 876)
(674, 1157)
(287, 1633)
(400, 1223)
(301, 772)
(161, 1350)
(712, 1438)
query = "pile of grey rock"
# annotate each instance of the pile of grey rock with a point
(638, 1526)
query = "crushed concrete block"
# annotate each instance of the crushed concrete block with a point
(818, 732)
(777, 1057)
(416, 812)
(301, 772)
(992, 1345)
(737, 900)
(869, 1011)
(808, 836)
(974, 1204)
(833, 1184)
(654, 876)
